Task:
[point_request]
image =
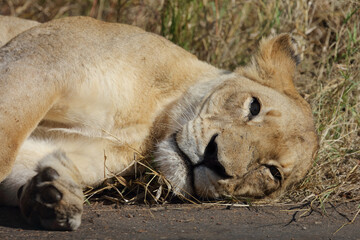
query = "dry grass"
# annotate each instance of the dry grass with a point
(226, 33)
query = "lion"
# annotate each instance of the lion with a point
(12, 26)
(80, 99)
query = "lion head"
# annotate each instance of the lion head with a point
(247, 133)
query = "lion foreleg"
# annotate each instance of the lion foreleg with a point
(46, 185)
(26, 95)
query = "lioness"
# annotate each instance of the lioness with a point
(78, 97)
(12, 26)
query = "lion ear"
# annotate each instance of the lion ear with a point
(275, 63)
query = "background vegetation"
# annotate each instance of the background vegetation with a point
(225, 33)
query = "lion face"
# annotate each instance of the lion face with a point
(245, 134)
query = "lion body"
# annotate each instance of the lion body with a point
(86, 98)
(12, 26)
(85, 101)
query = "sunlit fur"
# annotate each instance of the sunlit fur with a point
(81, 99)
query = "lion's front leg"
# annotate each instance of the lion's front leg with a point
(53, 198)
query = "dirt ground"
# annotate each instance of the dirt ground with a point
(184, 221)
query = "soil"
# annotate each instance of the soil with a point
(206, 221)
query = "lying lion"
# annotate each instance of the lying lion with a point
(79, 97)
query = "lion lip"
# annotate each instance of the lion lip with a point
(181, 153)
(187, 162)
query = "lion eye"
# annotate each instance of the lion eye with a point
(275, 173)
(254, 107)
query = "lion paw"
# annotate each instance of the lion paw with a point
(52, 200)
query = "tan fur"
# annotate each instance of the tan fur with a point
(12, 26)
(80, 99)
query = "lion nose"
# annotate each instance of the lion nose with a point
(210, 158)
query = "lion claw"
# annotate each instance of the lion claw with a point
(52, 201)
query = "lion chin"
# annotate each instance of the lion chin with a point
(81, 100)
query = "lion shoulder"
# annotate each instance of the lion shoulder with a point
(12, 26)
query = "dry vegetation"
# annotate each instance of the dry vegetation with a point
(226, 33)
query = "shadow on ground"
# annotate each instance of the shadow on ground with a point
(184, 221)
